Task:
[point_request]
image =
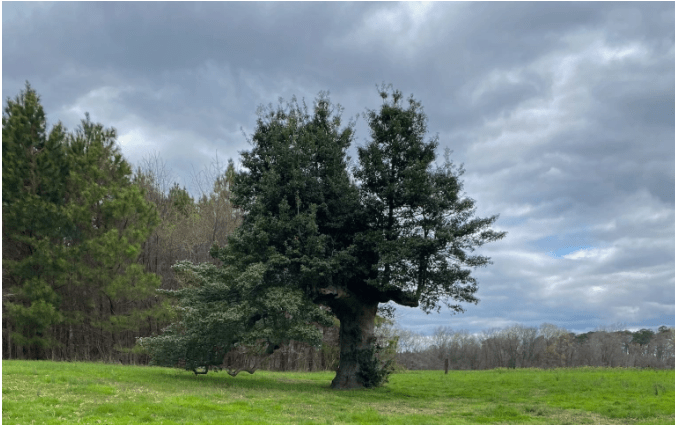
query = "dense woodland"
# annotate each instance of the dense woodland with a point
(87, 242)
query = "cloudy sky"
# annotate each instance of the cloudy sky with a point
(562, 113)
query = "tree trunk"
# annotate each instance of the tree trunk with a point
(9, 339)
(71, 344)
(357, 340)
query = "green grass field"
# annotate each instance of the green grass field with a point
(49, 392)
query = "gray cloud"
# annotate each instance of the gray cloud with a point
(562, 113)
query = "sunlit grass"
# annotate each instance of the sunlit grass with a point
(49, 392)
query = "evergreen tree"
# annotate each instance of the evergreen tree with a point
(34, 174)
(181, 200)
(642, 337)
(314, 236)
(109, 221)
(72, 228)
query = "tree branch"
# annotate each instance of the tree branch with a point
(235, 372)
(337, 291)
(400, 297)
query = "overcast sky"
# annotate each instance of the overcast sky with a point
(562, 113)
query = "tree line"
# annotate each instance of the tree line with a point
(548, 346)
(98, 257)
(87, 242)
(290, 263)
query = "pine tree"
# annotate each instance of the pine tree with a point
(72, 227)
(33, 191)
(109, 221)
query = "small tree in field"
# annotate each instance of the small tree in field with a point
(393, 228)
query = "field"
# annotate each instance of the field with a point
(97, 393)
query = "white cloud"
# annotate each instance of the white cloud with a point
(597, 254)
(101, 103)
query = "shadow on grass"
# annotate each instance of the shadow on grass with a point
(257, 381)
(274, 382)
(160, 378)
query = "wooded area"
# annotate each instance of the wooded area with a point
(87, 242)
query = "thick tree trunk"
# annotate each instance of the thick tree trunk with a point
(357, 340)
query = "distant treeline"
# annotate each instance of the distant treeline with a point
(545, 347)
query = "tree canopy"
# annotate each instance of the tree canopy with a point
(73, 225)
(320, 237)
(34, 174)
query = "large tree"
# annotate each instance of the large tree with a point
(34, 175)
(393, 228)
(104, 285)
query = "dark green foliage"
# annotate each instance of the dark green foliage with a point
(643, 336)
(222, 309)
(375, 365)
(395, 229)
(181, 199)
(417, 221)
(582, 338)
(254, 301)
(109, 221)
(73, 224)
(34, 174)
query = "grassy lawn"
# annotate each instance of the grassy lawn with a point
(48, 392)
